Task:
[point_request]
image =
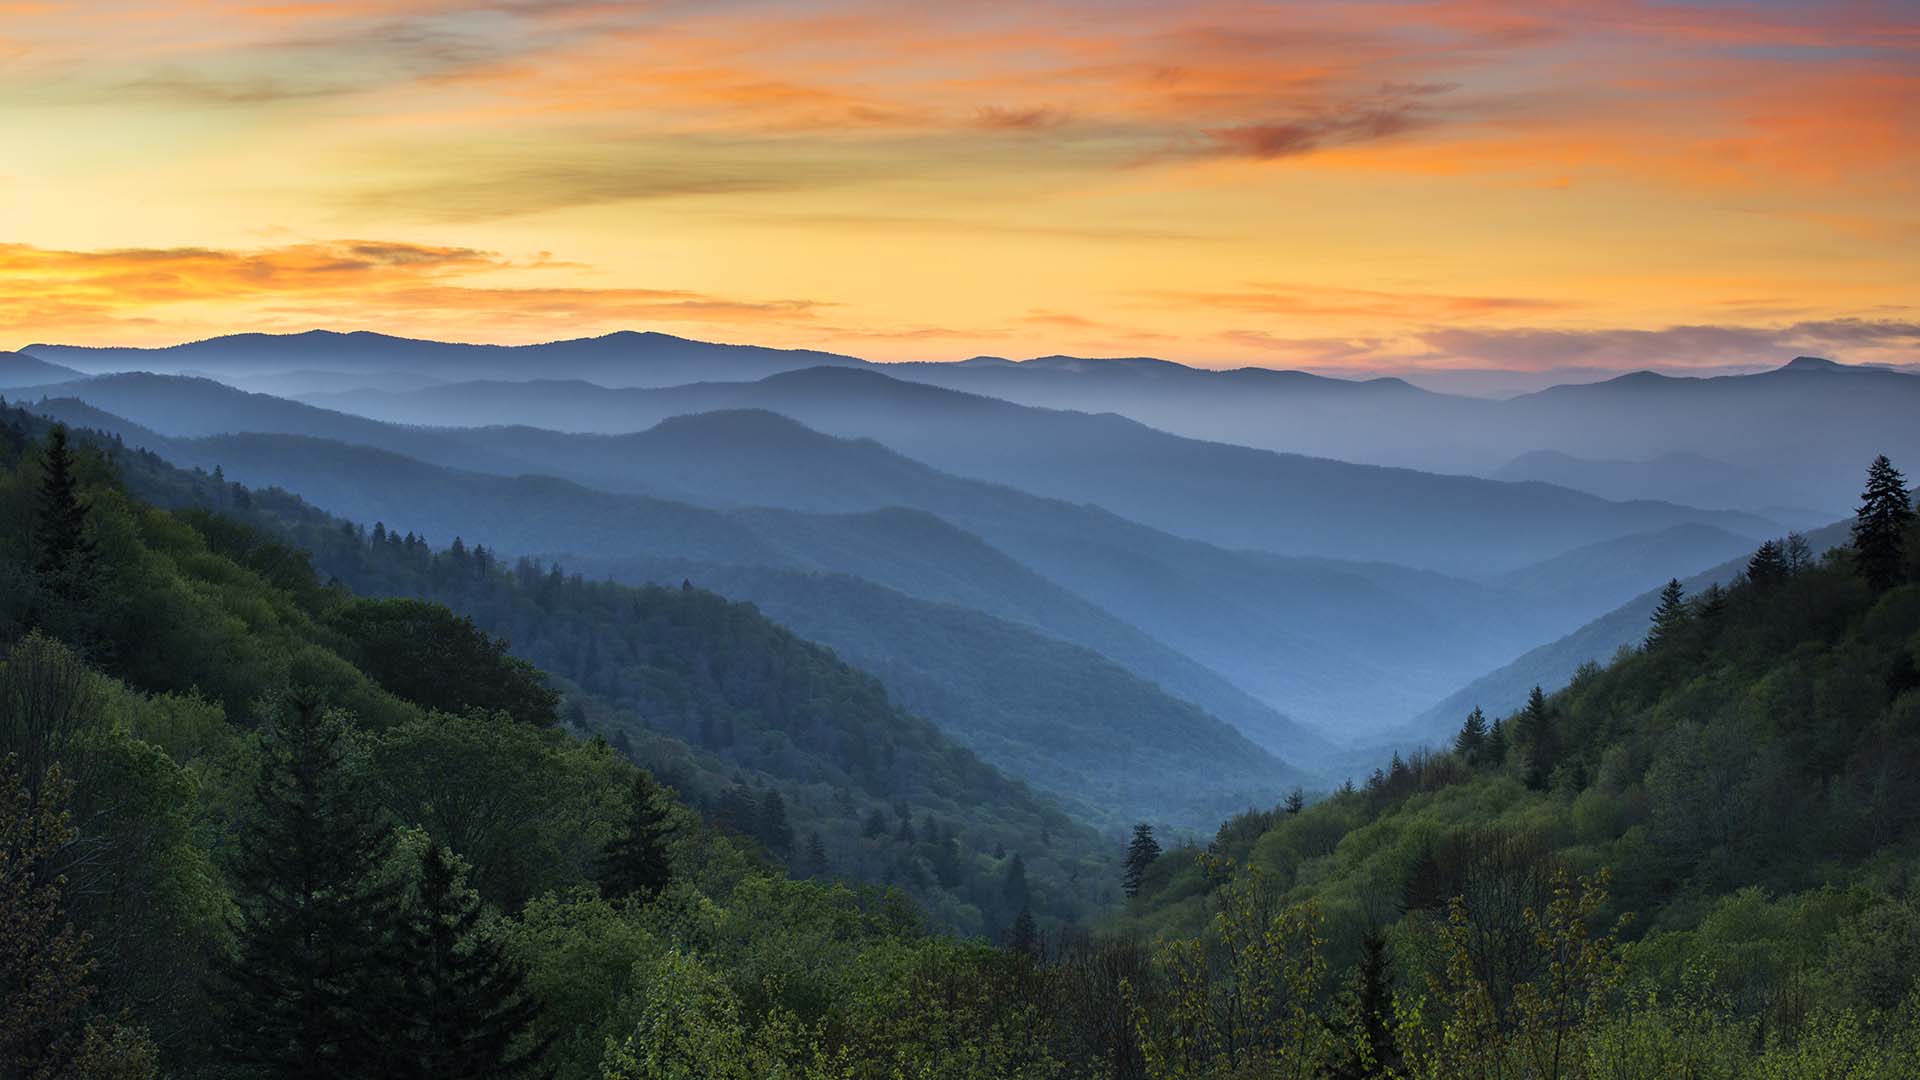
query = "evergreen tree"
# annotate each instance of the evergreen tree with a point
(1496, 750)
(459, 1005)
(1880, 526)
(1535, 729)
(1712, 606)
(1141, 853)
(1370, 1051)
(1296, 801)
(875, 826)
(1023, 937)
(1768, 567)
(1014, 894)
(1670, 617)
(1473, 736)
(773, 831)
(637, 862)
(302, 999)
(817, 865)
(738, 813)
(60, 519)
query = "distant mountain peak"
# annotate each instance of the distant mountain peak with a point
(1812, 363)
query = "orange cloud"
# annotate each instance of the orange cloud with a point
(1324, 300)
(407, 284)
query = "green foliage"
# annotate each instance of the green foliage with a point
(457, 1007)
(303, 992)
(43, 961)
(428, 655)
(1142, 850)
(1741, 788)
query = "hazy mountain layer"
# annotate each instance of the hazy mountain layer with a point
(1224, 494)
(1064, 717)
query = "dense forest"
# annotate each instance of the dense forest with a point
(258, 820)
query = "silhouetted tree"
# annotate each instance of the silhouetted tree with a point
(1296, 801)
(1472, 739)
(1799, 553)
(1880, 526)
(1141, 853)
(61, 547)
(637, 863)
(1535, 730)
(1768, 566)
(1670, 617)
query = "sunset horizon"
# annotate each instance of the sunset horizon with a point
(1380, 186)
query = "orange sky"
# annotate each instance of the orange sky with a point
(1363, 185)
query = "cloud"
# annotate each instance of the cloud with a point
(1676, 346)
(1038, 118)
(1397, 109)
(350, 282)
(1301, 299)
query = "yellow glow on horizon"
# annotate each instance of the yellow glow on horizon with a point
(1368, 186)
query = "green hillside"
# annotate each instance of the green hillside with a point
(252, 825)
(728, 707)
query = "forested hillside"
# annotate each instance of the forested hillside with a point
(1701, 860)
(1178, 764)
(770, 736)
(251, 827)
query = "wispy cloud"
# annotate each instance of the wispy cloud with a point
(338, 282)
(1675, 346)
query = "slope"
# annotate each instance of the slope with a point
(649, 540)
(702, 690)
(1505, 688)
(1232, 496)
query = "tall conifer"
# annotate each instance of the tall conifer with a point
(1880, 526)
(303, 997)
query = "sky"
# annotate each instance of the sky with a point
(1367, 186)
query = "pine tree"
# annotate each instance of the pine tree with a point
(65, 565)
(637, 862)
(1712, 606)
(1141, 853)
(1296, 801)
(1472, 739)
(1768, 567)
(1014, 894)
(1496, 751)
(773, 830)
(1023, 937)
(60, 519)
(459, 1004)
(1670, 617)
(1535, 731)
(302, 1000)
(1370, 1048)
(1880, 526)
(817, 865)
